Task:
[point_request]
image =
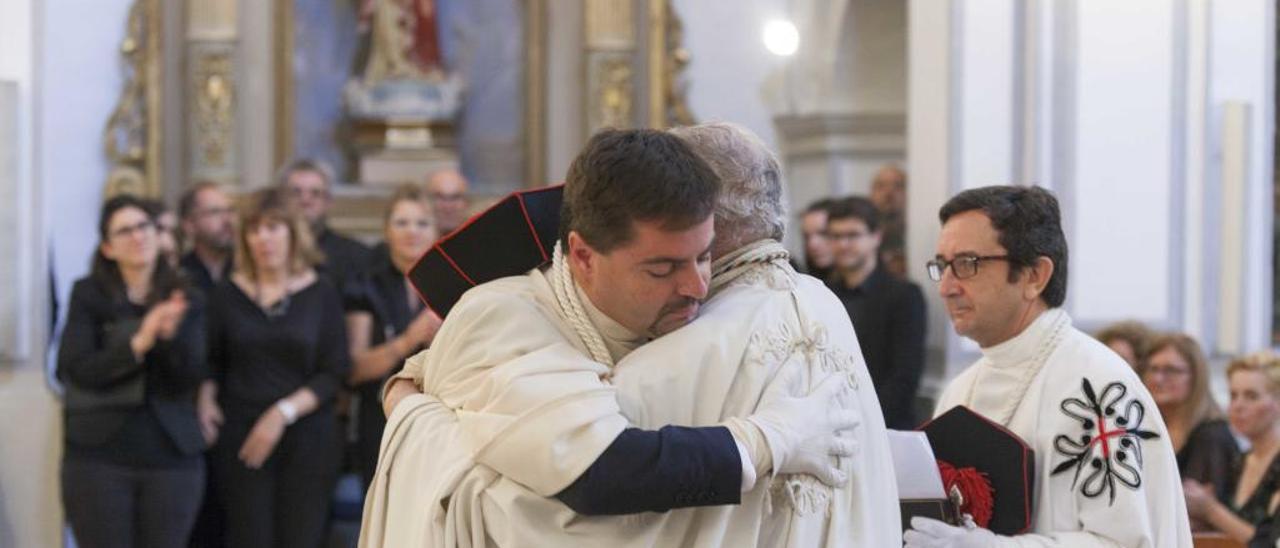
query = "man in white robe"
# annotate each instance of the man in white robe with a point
(518, 367)
(1105, 472)
(762, 319)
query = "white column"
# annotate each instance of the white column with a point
(930, 140)
(31, 513)
(1124, 180)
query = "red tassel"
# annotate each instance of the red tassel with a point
(979, 496)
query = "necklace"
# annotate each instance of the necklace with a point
(276, 309)
(1012, 403)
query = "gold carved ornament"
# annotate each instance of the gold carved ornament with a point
(125, 138)
(215, 97)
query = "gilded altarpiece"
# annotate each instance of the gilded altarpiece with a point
(305, 55)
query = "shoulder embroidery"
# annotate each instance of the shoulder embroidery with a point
(1108, 451)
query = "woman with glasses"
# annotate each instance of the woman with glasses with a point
(278, 352)
(1254, 413)
(386, 321)
(131, 358)
(1174, 369)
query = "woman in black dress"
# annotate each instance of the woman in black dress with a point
(1255, 414)
(131, 358)
(1176, 372)
(386, 321)
(278, 352)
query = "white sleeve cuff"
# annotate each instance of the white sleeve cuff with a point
(748, 467)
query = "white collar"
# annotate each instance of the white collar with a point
(1024, 346)
(617, 338)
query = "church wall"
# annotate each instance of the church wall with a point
(1121, 232)
(64, 57)
(729, 64)
(80, 81)
(1150, 119)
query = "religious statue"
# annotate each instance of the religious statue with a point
(403, 41)
(404, 73)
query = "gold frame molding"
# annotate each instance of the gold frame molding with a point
(535, 35)
(136, 118)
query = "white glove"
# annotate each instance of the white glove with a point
(931, 533)
(801, 431)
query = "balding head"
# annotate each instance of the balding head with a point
(448, 191)
(889, 189)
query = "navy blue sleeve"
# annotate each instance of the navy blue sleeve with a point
(656, 471)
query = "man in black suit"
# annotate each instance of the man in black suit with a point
(208, 222)
(887, 312)
(308, 184)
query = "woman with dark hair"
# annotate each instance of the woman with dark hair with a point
(278, 351)
(132, 356)
(1176, 372)
(386, 321)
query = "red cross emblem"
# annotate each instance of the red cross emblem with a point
(1109, 450)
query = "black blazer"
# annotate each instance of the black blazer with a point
(96, 360)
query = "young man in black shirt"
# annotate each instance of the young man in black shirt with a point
(887, 312)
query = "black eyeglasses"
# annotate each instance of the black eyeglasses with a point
(964, 266)
(127, 231)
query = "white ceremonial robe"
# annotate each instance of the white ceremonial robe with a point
(768, 319)
(1100, 480)
(532, 413)
(526, 413)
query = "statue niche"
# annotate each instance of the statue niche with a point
(402, 100)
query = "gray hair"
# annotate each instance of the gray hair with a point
(314, 165)
(751, 205)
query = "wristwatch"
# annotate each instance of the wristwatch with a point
(289, 410)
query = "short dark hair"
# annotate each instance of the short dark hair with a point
(821, 204)
(187, 203)
(1030, 226)
(627, 175)
(855, 207)
(106, 272)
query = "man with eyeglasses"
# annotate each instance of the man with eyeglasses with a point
(208, 224)
(308, 185)
(448, 191)
(887, 312)
(1105, 473)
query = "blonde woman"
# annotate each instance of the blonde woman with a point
(1255, 414)
(386, 321)
(1174, 369)
(278, 350)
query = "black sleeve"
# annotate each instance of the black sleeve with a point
(1267, 534)
(95, 351)
(216, 334)
(906, 357)
(1211, 455)
(333, 359)
(656, 471)
(182, 361)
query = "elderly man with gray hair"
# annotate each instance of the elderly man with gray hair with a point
(764, 331)
(765, 334)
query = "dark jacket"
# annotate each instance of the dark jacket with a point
(107, 385)
(888, 314)
(344, 258)
(659, 470)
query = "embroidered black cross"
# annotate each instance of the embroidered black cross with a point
(1110, 464)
